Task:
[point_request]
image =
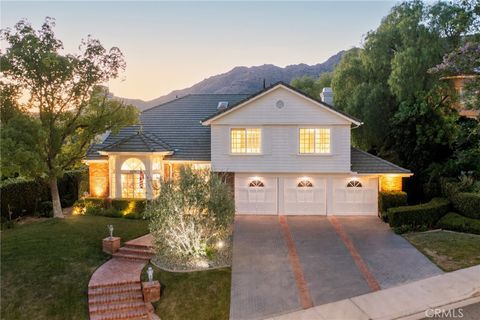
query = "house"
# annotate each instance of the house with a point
(284, 152)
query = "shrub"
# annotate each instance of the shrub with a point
(416, 216)
(111, 212)
(390, 199)
(45, 209)
(454, 221)
(467, 204)
(23, 196)
(93, 211)
(129, 206)
(191, 219)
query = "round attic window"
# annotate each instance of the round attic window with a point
(280, 104)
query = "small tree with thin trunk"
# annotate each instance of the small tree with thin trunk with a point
(56, 102)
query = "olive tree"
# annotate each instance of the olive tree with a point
(191, 219)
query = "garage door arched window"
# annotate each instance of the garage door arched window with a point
(305, 184)
(256, 184)
(354, 184)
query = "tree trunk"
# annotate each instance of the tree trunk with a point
(57, 206)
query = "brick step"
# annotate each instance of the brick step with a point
(137, 246)
(130, 256)
(122, 315)
(146, 252)
(129, 287)
(113, 284)
(116, 297)
(138, 305)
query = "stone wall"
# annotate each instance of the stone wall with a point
(98, 179)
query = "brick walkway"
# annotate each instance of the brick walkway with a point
(115, 290)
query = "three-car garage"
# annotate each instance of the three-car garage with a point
(309, 194)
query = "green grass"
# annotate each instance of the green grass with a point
(199, 295)
(46, 265)
(448, 250)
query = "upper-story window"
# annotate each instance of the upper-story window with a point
(246, 140)
(314, 140)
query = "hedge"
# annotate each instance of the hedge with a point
(22, 196)
(467, 204)
(426, 214)
(127, 208)
(455, 222)
(390, 199)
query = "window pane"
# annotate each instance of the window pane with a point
(253, 140)
(246, 140)
(238, 140)
(314, 140)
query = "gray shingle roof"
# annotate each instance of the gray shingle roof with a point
(141, 141)
(177, 123)
(364, 162)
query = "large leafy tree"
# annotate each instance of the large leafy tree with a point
(388, 86)
(311, 86)
(55, 102)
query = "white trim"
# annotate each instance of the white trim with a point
(86, 161)
(139, 153)
(209, 121)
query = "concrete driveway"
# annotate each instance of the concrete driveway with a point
(289, 263)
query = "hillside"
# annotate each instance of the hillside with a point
(244, 80)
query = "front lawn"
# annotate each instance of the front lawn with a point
(448, 250)
(198, 295)
(46, 265)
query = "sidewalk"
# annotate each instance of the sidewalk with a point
(410, 301)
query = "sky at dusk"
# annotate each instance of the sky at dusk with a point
(173, 45)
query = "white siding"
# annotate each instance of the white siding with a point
(280, 129)
(280, 152)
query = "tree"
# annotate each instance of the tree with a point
(191, 219)
(65, 107)
(311, 86)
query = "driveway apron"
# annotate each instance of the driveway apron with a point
(391, 259)
(328, 267)
(263, 283)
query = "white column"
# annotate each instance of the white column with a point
(148, 177)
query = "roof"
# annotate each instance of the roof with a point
(280, 83)
(141, 141)
(177, 123)
(364, 162)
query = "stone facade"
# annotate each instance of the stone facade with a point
(390, 183)
(98, 179)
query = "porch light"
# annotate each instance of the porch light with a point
(150, 274)
(110, 229)
(220, 244)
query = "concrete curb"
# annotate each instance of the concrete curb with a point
(409, 301)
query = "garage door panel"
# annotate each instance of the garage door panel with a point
(304, 195)
(255, 194)
(355, 198)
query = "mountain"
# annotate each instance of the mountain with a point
(244, 80)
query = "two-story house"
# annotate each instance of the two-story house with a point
(284, 152)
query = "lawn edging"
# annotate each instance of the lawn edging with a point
(164, 268)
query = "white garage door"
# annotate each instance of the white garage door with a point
(255, 195)
(304, 195)
(355, 196)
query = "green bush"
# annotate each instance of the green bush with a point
(455, 222)
(45, 209)
(22, 196)
(426, 214)
(467, 204)
(112, 213)
(94, 211)
(128, 206)
(390, 199)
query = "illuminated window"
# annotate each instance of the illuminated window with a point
(246, 140)
(133, 184)
(256, 184)
(354, 184)
(133, 164)
(314, 140)
(305, 184)
(200, 166)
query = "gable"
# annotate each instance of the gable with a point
(281, 104)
